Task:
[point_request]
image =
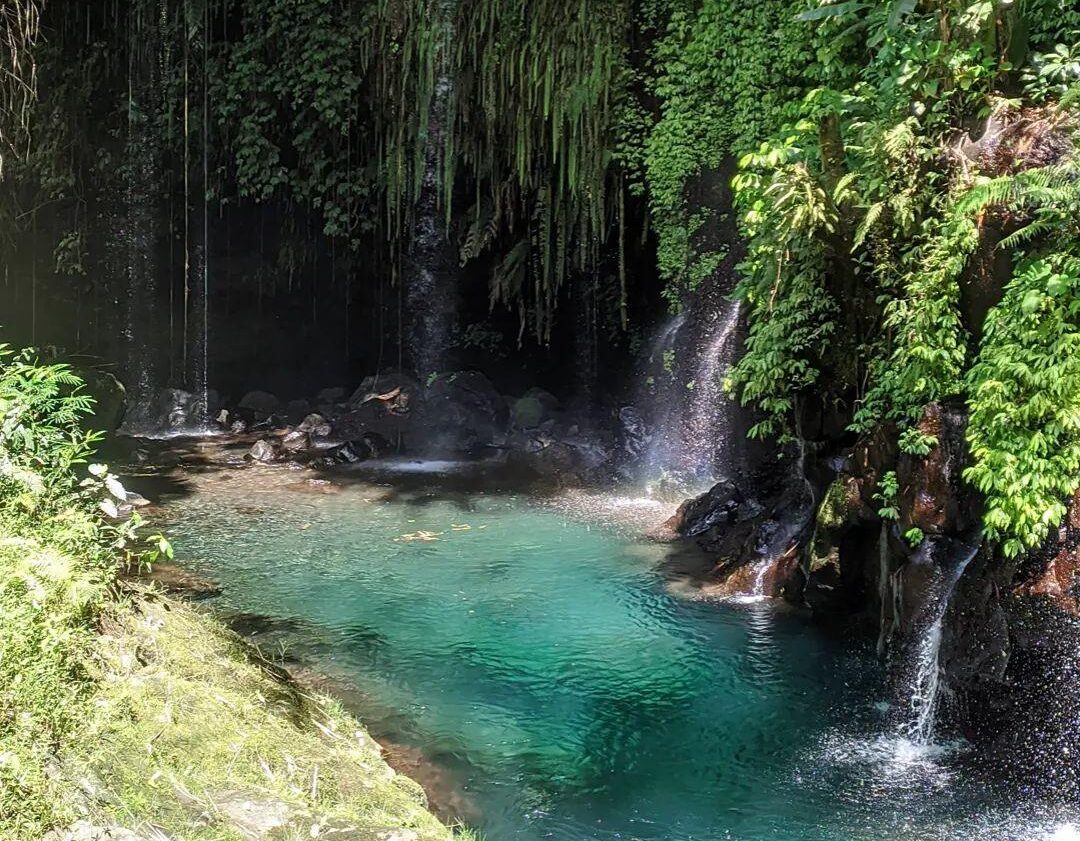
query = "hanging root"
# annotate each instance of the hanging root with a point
(19, 22)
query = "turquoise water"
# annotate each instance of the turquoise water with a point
(553, 671)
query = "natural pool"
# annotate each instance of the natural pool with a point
(547, 663)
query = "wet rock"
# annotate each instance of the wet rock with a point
(263, 451)
(566, 460)
(634, 433)
(370, 445)
(315, 425)
(933, 497)
(262, 404)
(763, 531)
(173, 410)
(296, 440)
(238, 427)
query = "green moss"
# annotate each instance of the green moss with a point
(835, 506)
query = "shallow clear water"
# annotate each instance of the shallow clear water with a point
(559, 682)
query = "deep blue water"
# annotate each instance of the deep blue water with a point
(543, 660)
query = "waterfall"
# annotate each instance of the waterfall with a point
(687, 410)
(172, 397)
(708, 416)
(430, 269)
(134, 250)
(925, 687)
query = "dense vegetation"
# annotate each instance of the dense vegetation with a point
(877, 223)
(902, 174)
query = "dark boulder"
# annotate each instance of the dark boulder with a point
(462, 412)
(565, 460)
(296, 410)
(527, 413)
(262, 404)
(335, 394)
(394, 391)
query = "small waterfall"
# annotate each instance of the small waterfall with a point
(925, 687)
(687, 409)
(708, 417)
(656, 393)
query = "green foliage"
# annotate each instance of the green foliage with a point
(915, 442)
(914, 536)
(726, 76)
(41, 439)
(165, 694)
(846, 211)
(783, 210)
(1051, 75)
(928, 340)
(368, 111)
(858, 202)
(887, 492)
(1024, 430)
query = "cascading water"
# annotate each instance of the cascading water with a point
(135, 227)
(708, 417)
(925, 686)
(430, 293)
(687, 410)
(173, 397)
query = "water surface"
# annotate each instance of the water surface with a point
(542, 659)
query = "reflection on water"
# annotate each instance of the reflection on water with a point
(561, 688)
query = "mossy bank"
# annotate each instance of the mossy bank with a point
(127, 715)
